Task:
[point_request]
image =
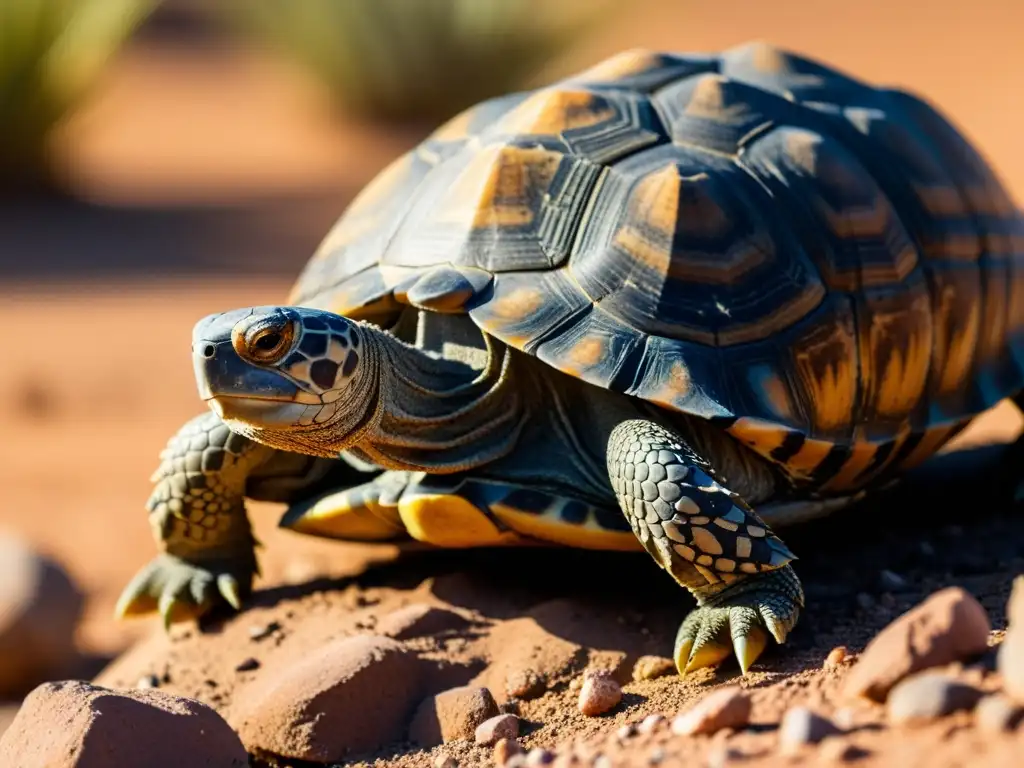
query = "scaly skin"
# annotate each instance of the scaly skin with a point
(710, 541)
(197, 512)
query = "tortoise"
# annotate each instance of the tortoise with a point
(672, 303)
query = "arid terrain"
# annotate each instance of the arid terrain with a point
(206, 175)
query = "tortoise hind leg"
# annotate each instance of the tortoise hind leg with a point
(710, 541)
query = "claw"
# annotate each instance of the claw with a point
(165, 607)
(749, 646)
(682, 654)
(707, 655)
(227, 585)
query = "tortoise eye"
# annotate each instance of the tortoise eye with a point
(267, 344)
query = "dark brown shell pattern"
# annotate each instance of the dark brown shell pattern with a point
(827, 268)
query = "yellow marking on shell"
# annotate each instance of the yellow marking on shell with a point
(756, 531)
(900, 381)
(725, 565)
(705, 540)
(687, 506)
(827, 366)
(450, 521)
(929, 445)
(809, 457)
(762, 436)
(549, 527)
(584, 355)
(675, 388)
(709, 576)
(699, 520)
(743, 547)
(726, 524)
(456, 128)
(749, 567)
(704, 559)
(712, 99)
(957, 327)
(333, 516)
(551, 111)
(497, 186)
(621, 65)
(861, 455)
(516, 305)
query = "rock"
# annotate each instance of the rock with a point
(505, 750)
(626, 732)
(351, 695)
(723, 756)
(524, 684)
(538, 757)
(1010, 662)
(928, 695)
(259, 632)
(74, 724)
(650, 724)
(599, 693)
(836, 749)
(491, 731)
(836, 657)
(247, 665)
(949, 626)
(997, 714)
(801, 726)
(419, 620)
(728, 707)
(452, 714)
(39, 610)
(445, 761)
(651, 667)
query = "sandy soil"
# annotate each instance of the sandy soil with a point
(207, 177)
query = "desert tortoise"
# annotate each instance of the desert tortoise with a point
(671, 302)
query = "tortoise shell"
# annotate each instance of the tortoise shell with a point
(826, 268)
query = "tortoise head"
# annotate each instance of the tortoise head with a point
(283, 376)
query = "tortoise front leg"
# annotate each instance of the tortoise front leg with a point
(710, 541)
(197, 512)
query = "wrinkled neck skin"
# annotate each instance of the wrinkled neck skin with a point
(409, 410)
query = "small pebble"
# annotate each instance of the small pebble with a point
(721, 757)
(650, 724)
(445, 761)
(835, 657)
(495, 729)
(248, 665)
(575, 684)
(652, 667)
(524, 684)
(845, 718)
(929, 695)
(599, 693)
(505, 750)
(625, 732)
(537, 757)
(516, 761)
(602, 761)
(148, 681)
(259, 632)
(892, 581)
(656, 756)
(801, 726)
(997, 714)
(728, 707)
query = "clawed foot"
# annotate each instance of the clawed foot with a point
(180, 590)
(739, 618)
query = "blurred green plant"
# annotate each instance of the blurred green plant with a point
(51, 54)
(417, 61)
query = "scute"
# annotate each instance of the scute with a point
(825, 267)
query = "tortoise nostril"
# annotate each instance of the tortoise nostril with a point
(209, 351)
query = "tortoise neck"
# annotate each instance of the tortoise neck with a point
(436, 415)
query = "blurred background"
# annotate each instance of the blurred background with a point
(163, 160)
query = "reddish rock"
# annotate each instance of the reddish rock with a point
(494, 729)
(523, 684)
(39, 610)
(452, 714)
(836, 658)
(352, 695)
(505, 750)
(927, 696)
(727, 707)
(949, 626)
(419, 620)
(73, 724)
(599, 693)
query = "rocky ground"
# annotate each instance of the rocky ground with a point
(201, 171)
